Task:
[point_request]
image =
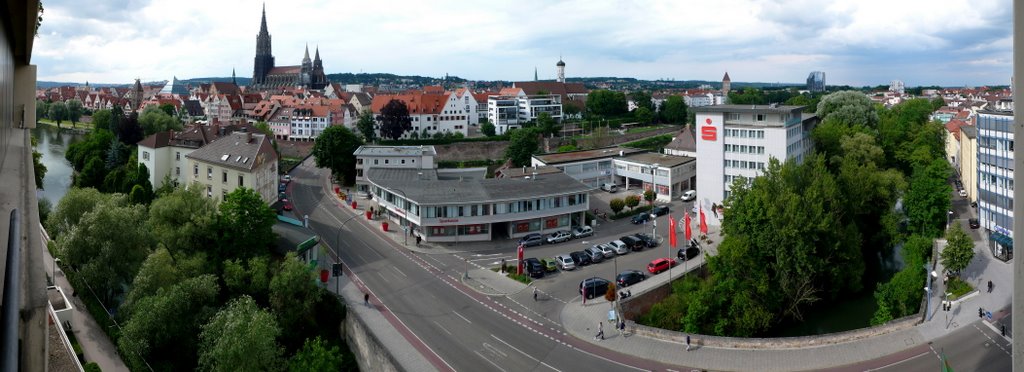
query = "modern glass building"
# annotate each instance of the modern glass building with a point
(816, 81)
(995, 180)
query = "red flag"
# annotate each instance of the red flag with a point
(671, 231)
(519, 267)
(703, 222)
(687, 222)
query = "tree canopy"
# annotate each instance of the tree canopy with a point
(959, 249)
(394, 119)
(606, 103)
(366, 126)
(673, 110)
(522, 144)
(240, 337)
(245, 225)
(334, 149)
(850, 108)
(155, 119)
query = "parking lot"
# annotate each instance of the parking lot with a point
(563, 285)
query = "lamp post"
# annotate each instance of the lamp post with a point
(337, 252)
(928, 290)
(405, 210)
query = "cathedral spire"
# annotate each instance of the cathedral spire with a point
(233, 76)
(263, 23)
(306, 57)
(317, 58)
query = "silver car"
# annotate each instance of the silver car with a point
(609, 252)
(559, 236)
(565, 262)
(596, 254)
(620, 247)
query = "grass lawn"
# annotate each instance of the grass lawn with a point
(65, 124)
(957, 287)
(644, 129)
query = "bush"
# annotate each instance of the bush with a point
(92, 367)
(632, 201)
(957, 287)
(655, 143)
(631, 212)
(465, 164)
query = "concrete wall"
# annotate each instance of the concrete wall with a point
(370, 354)
(465, 151)
(640, 303)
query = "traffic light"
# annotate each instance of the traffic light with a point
(336, 270)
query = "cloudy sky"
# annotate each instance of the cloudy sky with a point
(856, 42)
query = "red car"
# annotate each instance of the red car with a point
(660, 264)
(286, 205)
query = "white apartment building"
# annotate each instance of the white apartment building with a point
(307, 122)
(233, 161)
(531, 107)
(402, 157)
(164, 153)
(503, 112)
(509, 112)
(631, 169)
(431, 113)
(735, 141)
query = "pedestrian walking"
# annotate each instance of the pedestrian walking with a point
(989, 286)
(1002, 330)
(600, 331)
(622, 327)
(366, 299)
(687, 342)
(535, 293)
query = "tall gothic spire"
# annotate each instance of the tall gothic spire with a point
(305, 58)
(263, 23)
(233, 76)
(264, 60)
(317, 58)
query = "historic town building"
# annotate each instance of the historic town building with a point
(265, 74)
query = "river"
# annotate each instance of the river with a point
(53, 144)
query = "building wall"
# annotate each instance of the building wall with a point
(995, 172)
(710, 156)
(365, 162)
(217, 181)
(969, 166)
(953, 150)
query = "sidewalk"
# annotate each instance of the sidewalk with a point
(96, 346)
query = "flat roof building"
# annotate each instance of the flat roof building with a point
(626, 167)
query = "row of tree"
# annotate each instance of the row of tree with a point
(607, 103)
(810, 232)
(193, 282)
(58, 112)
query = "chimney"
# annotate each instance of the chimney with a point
(248, 137)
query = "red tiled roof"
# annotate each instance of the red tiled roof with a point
(285, 70)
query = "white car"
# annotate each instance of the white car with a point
(963, 193)
(689, 195)
(582, 231)
(564, 262)
(619, 246)
(559, 236)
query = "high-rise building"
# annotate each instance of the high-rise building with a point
(995, 180)
(896, 86)
(816, 81)
(265, 74)
(737, 141)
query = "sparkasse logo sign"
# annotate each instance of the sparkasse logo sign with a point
(708, 132)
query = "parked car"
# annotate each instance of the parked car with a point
(640, 218)
(973, 222)
(689, 195)
(581, 258)
(619, 246)
(608, 250)
(533, 267)
(633, 243)
(582, 232)
(648, 240)
(532, 239)
(630, 277)
(286, 204)
(550, 265)
(609, 187)
(282, 187)
(559, 236)
(963, 193)
(688, 253)
(593, 287)
(596, 254)
(658, 265)
(565, 262)
(287, 178)
(660, 210)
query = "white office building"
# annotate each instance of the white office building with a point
(402, 157)
(509, 112)
(738, 140)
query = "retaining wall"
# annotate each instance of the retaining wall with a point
(370, 354)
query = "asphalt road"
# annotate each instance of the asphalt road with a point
(974, 347)
(455, 327)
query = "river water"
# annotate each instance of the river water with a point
(53, 144)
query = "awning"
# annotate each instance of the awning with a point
(1002, 239)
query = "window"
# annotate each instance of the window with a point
(177, 171)
(209, 191)
(375, 161)
(224, 177)
(145, 155)
(732, 116)
(241, 180)
(177, 155)
(759, 117)
(403, 161)
(195, 170)
(209, 173)
(386, 161)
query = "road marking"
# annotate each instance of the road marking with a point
(489, 361)
(382, 277)
(460, 316)
(527, 355)
(399, 271)
(442, 327)
(902, 361)
(436, 260)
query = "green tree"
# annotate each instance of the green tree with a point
(264, 128)
(937, 103)
(642, 99)
(316, 355)
(96, 145)
(673, 110)
(58, 112)
(901, 295)
(117, 155)
(606, 103)
(70, 209)
(107, 246)
(546, 124)
(487, 129)
(245, 225)
(42, 109)
(616, 205)
(566, 148)
(184, 220)
(168, 109)
(643, 115)
(632, 201)
(38, 168)
(649, 196)
(959, 249)
(251, 278)
(394, 119)
(335, 149)
(522, 144)
(101, 119)
(367, 127)
(154, 120)
(163, 335)
(240, 337)
(848, 107)
(139, 195)
(927, 199)
(74, 108)
(92, 175)
(293, 297)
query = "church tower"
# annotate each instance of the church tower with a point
(726, 85)
(136, 95)
(561, 70)
(264, 60)
(319, 78)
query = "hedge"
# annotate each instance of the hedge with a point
(441, 141)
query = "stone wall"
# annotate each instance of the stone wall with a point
(370, 353)
(465, 151)
(640, 303)
(614, 138)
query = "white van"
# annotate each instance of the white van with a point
(689, 195)
(609, 187)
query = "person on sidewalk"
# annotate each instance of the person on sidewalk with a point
(600, 331)
(366, 299)
(534, 294)
(687, 342)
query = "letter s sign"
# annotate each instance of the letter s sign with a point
(709, 132)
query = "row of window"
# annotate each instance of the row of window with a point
(995, 143)
(743, 164)
(744, 149)
(522, 206)
(992, 180)
(386, 161)
(744, 133)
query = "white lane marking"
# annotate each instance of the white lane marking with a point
(399, 271)
(460, 316)
(382, 276)
(521, 352)
(436, 260)
(899, 362)
(442, 327)
(598, 356)
(489, 361)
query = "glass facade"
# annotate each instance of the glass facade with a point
(995, 180)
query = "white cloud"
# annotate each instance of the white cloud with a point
(870, 41)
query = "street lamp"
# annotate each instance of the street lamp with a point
(337, 252)
(405, 210)
(928, 291)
